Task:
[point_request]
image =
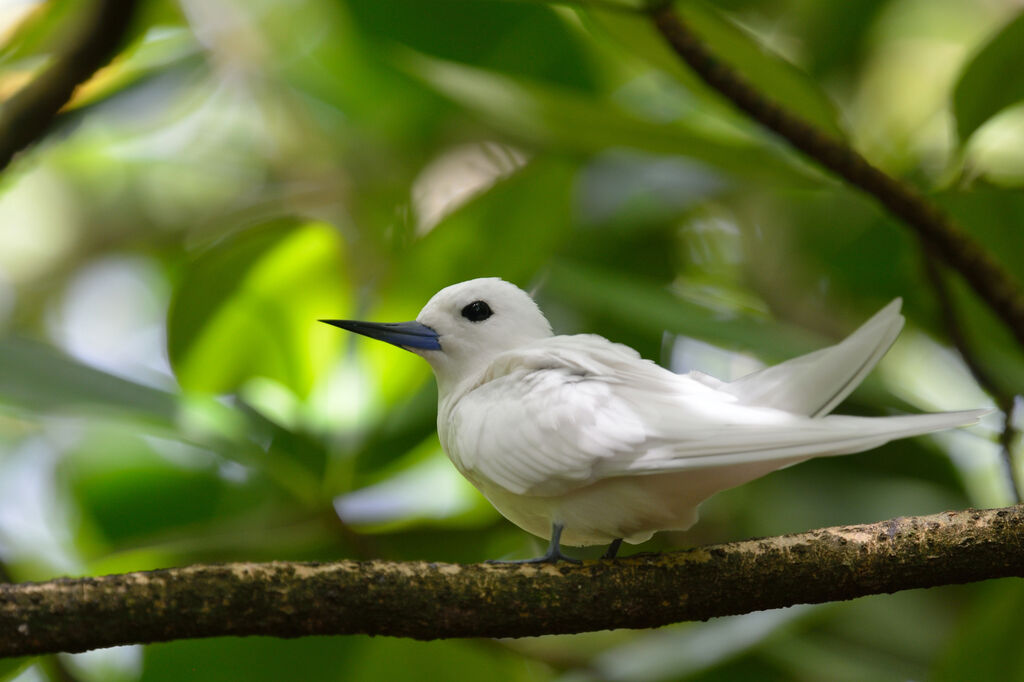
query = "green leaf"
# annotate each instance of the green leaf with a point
(10, 668)
(683, 650)
(40, 378)
(867, 258)
(356, 95)
(657, 310)
(36, 34)
(836, 36)
(770, 73)
(249, 307)
(400, 430)
(49, 26)
(992, 80)
(994, 217)
(510, 230)
(987, 646)
(131, 492)
(636, 37)
(256, 659)
(147, 58)
(392, 658)
(522, 39)
(576, 122)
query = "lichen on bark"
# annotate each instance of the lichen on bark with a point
(435, 600)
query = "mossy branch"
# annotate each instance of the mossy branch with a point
(431, 600)
(989, 279)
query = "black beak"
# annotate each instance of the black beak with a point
(402, 334)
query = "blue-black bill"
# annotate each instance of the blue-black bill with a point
(403, 334)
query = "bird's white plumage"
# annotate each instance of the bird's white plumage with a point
(582, 432)
(815, 383)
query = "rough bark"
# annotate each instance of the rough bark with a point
(432, 600)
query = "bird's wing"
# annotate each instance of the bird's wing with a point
(815, 383)
(566, 412)
(543, 416)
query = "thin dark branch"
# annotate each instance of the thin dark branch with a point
(1007, 440)
(1003, 399)
(429, 600)
(993, 283)
(28, 115)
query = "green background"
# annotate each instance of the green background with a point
(246, 167)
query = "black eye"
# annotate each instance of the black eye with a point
(477, 311)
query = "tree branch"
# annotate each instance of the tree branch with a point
(995, 285)
(26, 116)
(430, 600)
(1003, 399)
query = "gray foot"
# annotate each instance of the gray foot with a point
(552, 556)
(613, 549)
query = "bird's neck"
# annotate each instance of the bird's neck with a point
(451, 389)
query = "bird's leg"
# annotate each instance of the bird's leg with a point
(613, 549)
(552, 556)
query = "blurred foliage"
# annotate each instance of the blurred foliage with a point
(246, 167)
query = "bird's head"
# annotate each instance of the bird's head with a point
(463, 327)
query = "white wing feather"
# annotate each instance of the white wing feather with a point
(814, 384)
(564, 412)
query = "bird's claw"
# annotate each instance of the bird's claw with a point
(548, 558)
(552, 556)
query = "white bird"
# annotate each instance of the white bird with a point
(579, 440)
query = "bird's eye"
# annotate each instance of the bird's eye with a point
(477, 311)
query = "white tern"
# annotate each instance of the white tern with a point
(579, 440)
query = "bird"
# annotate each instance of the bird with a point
(581, 441)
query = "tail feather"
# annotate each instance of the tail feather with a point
(825, 437)
(815, 383)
